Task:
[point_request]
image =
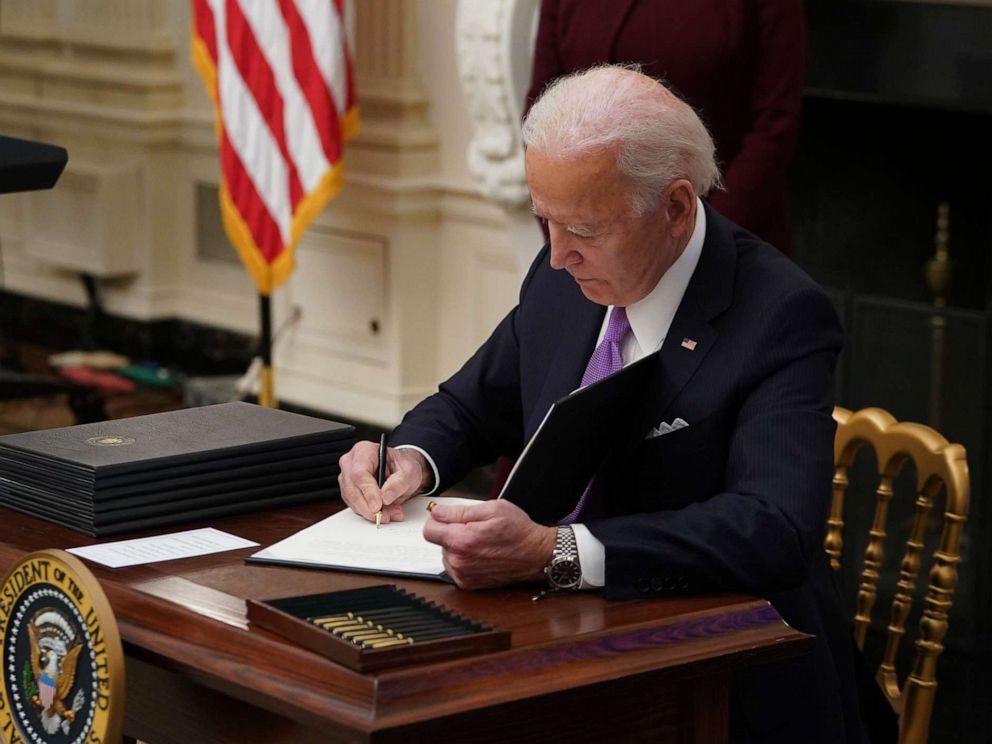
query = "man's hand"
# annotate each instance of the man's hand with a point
(407, 473)
(491, 544)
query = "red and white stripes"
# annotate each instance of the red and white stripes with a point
(281, 79)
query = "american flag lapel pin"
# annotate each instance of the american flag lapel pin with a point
(688, 343)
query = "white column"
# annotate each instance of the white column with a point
(495, 47)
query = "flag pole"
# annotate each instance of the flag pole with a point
(266, 387)
(265, 227)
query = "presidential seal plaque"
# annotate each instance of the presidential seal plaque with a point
(63, 666)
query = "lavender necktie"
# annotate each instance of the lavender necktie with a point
(605, 360)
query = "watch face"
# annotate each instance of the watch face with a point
(564, 573)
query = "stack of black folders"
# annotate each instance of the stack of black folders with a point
(375, 627)
(162, 469)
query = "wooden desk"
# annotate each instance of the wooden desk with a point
(580, 668)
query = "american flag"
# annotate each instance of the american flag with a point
(688, 343)
(283, 88)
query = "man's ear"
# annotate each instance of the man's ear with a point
(680, 205)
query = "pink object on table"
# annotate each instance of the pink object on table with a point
(104, 382)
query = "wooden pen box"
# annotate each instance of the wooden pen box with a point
(375, 627)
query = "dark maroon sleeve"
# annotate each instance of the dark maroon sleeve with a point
(757, 173)
(547, 63)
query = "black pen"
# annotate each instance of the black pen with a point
(381, 477)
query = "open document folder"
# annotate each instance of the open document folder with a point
(573, 440)
(347, 542)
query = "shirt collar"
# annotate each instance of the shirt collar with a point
(651, 317)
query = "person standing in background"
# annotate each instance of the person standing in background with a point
(739, 63)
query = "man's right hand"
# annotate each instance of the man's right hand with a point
(407, 474)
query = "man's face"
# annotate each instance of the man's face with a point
(615, 257)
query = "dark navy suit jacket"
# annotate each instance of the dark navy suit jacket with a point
(736, 501)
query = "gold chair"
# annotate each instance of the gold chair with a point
(939, 466)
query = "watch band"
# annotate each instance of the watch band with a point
(564, 571)
(565, 544)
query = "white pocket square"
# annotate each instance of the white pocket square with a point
(664, 428)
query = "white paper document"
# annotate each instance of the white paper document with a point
(161, 547)
(347, 541)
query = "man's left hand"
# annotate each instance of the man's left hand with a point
(491, 544)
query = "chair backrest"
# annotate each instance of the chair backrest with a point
(939, 466)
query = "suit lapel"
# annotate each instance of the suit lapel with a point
(691, 335)
(581, 321)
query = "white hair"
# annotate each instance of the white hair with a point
(658, 138)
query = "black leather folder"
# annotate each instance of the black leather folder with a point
(577, 434)
(174, 440)
(48, 505)
(158, 521)
(167, 468)
(285, 480)
(217, 474)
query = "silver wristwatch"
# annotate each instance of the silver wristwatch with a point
(564, 572)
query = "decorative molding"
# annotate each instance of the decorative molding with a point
(117, 53)
(139, 26)
(95, 71)
(386, 41)
(495, 48)
(395, 137)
